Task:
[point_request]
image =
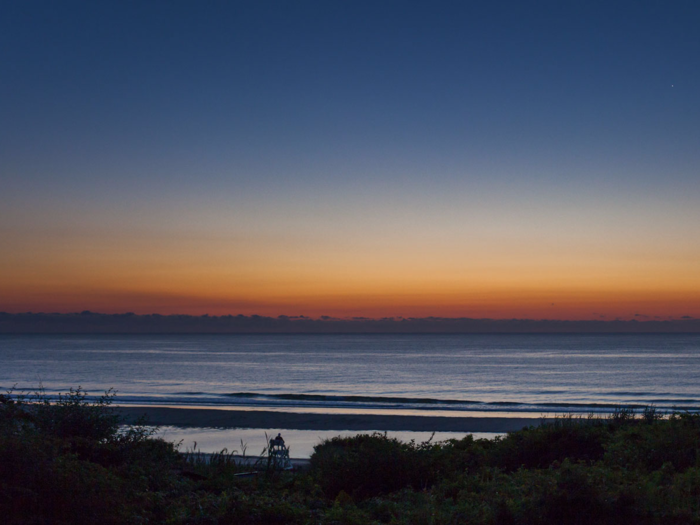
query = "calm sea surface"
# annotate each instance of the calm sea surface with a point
(439, 374)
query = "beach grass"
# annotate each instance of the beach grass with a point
(71, 461)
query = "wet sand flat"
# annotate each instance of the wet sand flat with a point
(206, 417)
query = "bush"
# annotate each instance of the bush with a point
(68, 462)
(72, 416)
(675, 441)
(539, 447)
(368, 465)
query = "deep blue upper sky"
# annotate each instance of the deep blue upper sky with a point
(357, 82)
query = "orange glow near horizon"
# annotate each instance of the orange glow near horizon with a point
(538, 272)
(478, 292)
(496, 306)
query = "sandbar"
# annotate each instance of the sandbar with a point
(210, 417)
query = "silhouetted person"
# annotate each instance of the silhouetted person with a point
(277, 442)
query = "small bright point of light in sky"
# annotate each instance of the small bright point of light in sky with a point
(464, 159)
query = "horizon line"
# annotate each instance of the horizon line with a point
(87, 322)
(328, 318)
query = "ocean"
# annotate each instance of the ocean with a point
(498, 374)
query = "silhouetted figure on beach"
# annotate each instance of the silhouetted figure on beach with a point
(277, 442)
(279, 454)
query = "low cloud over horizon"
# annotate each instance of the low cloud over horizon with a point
(96, 323)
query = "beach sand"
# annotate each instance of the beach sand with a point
(207, 417)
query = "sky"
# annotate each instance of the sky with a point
(500, 159)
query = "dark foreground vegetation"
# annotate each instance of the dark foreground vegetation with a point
(70, 461)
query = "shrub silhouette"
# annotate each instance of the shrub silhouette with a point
(675, 441)
(69, 461)
(368, 465)
(539, 447)
(73, 416)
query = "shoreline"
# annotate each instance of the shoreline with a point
(213, 418)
